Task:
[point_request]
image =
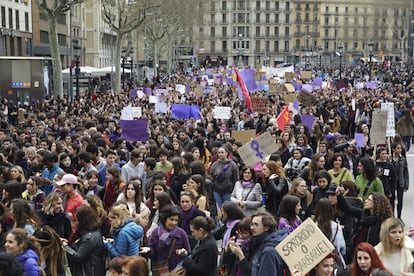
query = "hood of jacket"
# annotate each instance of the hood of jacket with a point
(132, 229)
(29, 253)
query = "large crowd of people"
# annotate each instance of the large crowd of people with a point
(79, 198)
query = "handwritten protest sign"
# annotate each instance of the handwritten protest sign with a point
(305, 247)
(160, 108)
(257, 149)
(307, 75)
(180, 88)
(389, 107)
(222, 112)
(260, 104)
(378, 127)
(243, 136)
(136, 112)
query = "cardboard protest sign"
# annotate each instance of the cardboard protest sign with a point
(289, 87)
(289, 98)
(243, 136)
(307, 99)
(378, 127)
(257, 149)
(289, 76)
(307, 75)
(222, 112)
(305, 247)
(260, 104)
(389, 107)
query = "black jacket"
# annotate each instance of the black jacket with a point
(276, 188)
(203, 259)
(86, 255)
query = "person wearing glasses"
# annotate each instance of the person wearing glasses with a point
(262, 259)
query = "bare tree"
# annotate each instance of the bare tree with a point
(123, 17)
(52, 9)
(397, 22)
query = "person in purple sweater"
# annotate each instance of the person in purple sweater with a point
(289, 213)
(167, 237)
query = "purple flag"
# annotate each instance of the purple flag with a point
(260, 86)
(317, 81)
(229, 81)
(134, 130)
(298, 86)
(147, 90)
(296, 104)
(248, 78)
(308, 120)
(133, 92)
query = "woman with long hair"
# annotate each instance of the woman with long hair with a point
(282, 150)
(338, 172)
(134, 197)
(289, 213)
(161, 200)
(289, 140)
(85, 255)
(377, 208)
(96, 204)
(166, 239)
(395, 245)
(11, 190)
(66, 164)
(316, 164)
(53, 215)
(367, 180)
(26, 250)
(205, 154)
(24, 216)
(302, 142)
(247, 192)
(114, 186)
(275, 185)
(177, 176)
(366, 260)
(33, 194)
(203, 260)
(125, 232)
(197, 184)
(325, 268)
(135, 265)
(331, 229)
(300, 190)
(52, 251)
(17, 174)
(402, 176)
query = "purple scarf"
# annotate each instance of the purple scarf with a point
(165, 237)
(229, 226)
(186, 217)
(246, 183)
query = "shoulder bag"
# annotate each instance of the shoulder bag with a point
(161, 267)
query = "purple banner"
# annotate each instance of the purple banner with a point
(133, 92)
(317, 82)
(184, 111)
(308, 121)
(248, 78)
(371, 85)
(359, 138)
(298, 86)
(147, 90)
(134, 130)
(229, 81)
(307, 87)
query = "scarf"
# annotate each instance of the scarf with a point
(186, 217)
(165, 237)
(229, 227)
(246, 183)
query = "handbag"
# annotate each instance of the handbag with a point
(160, 268)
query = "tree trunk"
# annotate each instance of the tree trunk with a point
(56, 63)
(117, 80)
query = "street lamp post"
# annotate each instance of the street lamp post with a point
(320, 58)
(294, 59)
(370, 44)
(240, 49)
(340, 61)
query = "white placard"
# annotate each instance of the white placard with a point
(136, 112)
(180, 88)
(153, 99)
(389, 107)
(161, 108)
(222, 112)
(126, 113)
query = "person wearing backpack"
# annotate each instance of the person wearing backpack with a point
(262, 257)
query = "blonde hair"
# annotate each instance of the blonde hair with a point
(50, 202)
(388, 225)
(119, 215)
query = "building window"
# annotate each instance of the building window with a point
(326, 9)
(224, 31)
(267, 18)
(212, 18)
(213, 46)
(336, 10)
(287, 31)
(224, 18)
(241, 5)
(287, 19)
(212, 7)
(326, 33)
(277, 18)
(258, 45)
(62, 40)
(213, 32)
(257, 5)
(224, 5)
(3, 16)
(267, 45)
(267, 5)
(258, 18)
(26, 21)
(19, 47)
(44, 37)
(267, 31)
(276, 31)
(326, 46)
(276, 46)
(10, 18)
(17, 20)
(286, 46)
(201, 31)
(257, 31)
(276, 5)
(224, 46)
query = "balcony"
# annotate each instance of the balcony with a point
(298, 21)
(315, 34)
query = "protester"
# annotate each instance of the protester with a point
(247, 192)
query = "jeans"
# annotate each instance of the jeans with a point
(407, 142)
(220, 198)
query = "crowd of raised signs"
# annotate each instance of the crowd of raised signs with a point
(164, 170)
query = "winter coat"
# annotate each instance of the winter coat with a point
(28, 260)
(60, 222)
(86, 255)
(252, 194)
(126, 240)
(401, 173)
(203, 260)
(407, 258)
(264, 259)
(404, 126)
(276, 188)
